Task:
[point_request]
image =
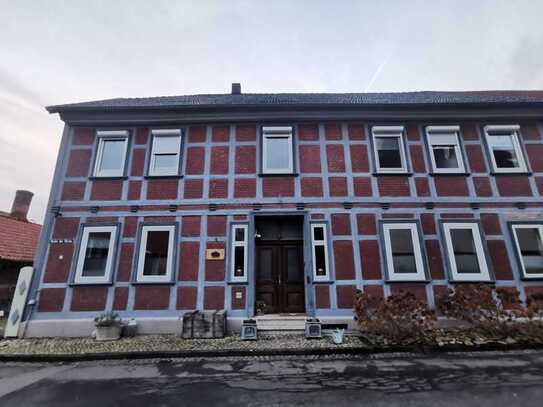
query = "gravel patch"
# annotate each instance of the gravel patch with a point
(168, 343)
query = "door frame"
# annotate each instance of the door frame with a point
(306, 234)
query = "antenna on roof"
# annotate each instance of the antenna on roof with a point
(236, 88)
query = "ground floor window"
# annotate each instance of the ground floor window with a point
(529, 244)
(467, 260)
(238, 263)
(156, 253)
(319, 252)
(403, 252)
(95, 259)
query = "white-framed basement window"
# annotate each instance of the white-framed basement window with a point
(504, 148)
(96, 252)
(319, 250)
(389, 149)
(156, 254)
(466, 256)
(445, 152)
(238, 261)
(277, 150)
(529, 244)
(165, 152)
(111, 153)
(403, 252)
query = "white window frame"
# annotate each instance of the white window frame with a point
(157, 133)
(103, 137)
(514, 228)
(323, 243)
(392, 132)
(420, 274)
(269, 132)
(484, 274)
(234, 244)
(513, 132)
(106, 278)
(452, 132)
(140, 278)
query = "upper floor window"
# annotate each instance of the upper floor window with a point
(529, 244)
(445, 152)
(504, 148)
(156, 253)
(165, 152)
(95, 259)
(389, 149)
(403, 252)
(239, 253)
(319, 247)
(111, 153)
(277, 150)
(466, 256)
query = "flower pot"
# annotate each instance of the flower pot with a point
(108, 333)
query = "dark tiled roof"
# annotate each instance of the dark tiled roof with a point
(18, 239)
(309, 99)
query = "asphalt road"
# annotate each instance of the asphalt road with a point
(466, 379)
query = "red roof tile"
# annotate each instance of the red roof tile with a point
(18, 239)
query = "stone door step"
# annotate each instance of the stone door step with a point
(281, 322)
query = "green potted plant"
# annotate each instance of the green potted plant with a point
(108, 326)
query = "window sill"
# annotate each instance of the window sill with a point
(426, 281)
(293, 174)
(163, 176)
(324, 282)
(472, 281)
(95, 177)
(82, 283)
(526, 278)
(449, 174)
(379, 174)
(152, 282)
(237, 283)
(511, 173)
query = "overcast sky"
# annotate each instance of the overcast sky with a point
(55, 52)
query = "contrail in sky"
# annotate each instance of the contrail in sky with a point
(376, 74)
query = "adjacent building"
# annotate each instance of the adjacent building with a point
(18, 241)
(286, 204)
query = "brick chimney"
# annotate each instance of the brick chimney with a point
(21, 204)
(236, 89)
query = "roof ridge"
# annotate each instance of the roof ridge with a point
(6, 215)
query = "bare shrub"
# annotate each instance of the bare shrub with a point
(400, 319)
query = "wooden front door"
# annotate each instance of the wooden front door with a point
(280, 277)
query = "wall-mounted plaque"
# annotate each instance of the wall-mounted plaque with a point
(215, 254)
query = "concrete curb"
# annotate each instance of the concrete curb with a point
(263, 352)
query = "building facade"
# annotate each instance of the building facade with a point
(287, 203)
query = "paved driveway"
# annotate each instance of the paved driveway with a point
(468, 379)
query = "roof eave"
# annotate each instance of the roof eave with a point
(217, 107)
